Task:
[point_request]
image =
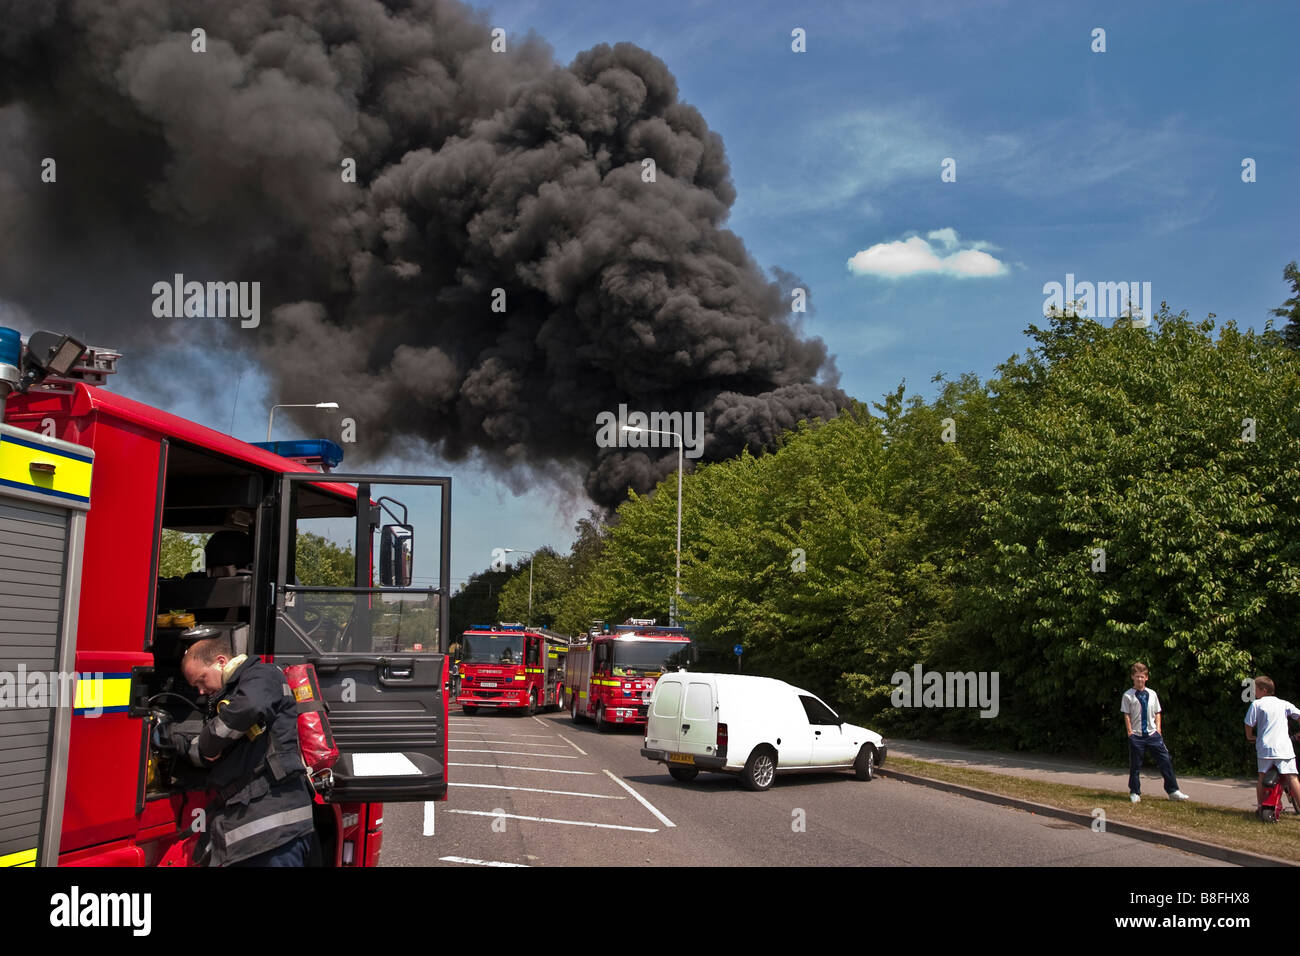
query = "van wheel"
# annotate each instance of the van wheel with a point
(760, 769)
(468, 710)
(865, 765)
(532, 704)
(684, 774)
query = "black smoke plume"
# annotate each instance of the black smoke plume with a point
(475, 171)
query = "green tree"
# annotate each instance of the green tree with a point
(319, 562)
(1290, 309)
(178, 553)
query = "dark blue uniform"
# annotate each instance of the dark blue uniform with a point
(264, 800)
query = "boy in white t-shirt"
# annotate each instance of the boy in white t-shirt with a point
(1141, 709)
(1266, 725)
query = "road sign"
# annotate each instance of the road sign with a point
(739, 649)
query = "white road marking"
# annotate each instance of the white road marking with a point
(560, 793)
(516, 743)
(517, 753)
(644, 802)
(463, 859)
(540, 721)
(502, 766)
(534, 735)
(572, 744)
(572, 823)
(428, 818)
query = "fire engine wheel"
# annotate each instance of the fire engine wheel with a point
(532, 704)
(684, 774)
(760, 769)
(603, 726)
(865, 765)
(469, 710)
(573, 710)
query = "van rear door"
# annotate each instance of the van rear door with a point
(699, 721)
(663, 721)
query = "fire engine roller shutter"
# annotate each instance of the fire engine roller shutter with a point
(33, 543)
(44, 494)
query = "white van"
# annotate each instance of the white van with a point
(754, 726)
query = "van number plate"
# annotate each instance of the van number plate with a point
(681, 758)
(488, 683)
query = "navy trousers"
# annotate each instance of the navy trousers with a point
(1138, 747)
(294, 853)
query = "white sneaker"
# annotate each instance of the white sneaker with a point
(1134, 798)
(1178, 796)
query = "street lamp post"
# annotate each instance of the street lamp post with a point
(332, 406)
(530, 578)
(677, 594)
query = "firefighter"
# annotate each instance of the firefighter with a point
(249, 742)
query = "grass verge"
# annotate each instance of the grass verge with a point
(1225, 826)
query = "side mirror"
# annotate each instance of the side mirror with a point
(396, 555)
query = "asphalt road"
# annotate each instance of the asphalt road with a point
(544, 791)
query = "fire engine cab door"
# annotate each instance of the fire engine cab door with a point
(377, 650)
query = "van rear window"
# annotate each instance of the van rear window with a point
(668, 700)
(699, 701)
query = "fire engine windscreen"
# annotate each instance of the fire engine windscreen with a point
(492, 649)
(639, 658)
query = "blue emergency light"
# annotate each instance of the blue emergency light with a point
(11, 347)
(309, 451)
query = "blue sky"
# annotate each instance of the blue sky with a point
(1115, 166)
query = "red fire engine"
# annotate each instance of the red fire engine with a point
(89, 480)
(610, 678)
(511, 667)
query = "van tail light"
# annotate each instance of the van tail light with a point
(722, 740)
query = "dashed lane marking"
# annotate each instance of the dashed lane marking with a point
(502, 766)
(517, 753)
(469, 862)
(561, 793)
(571, 823)
(644, 802)
(572, 744)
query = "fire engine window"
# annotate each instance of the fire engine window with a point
(492, 648)
(533, 657)
(642, 658)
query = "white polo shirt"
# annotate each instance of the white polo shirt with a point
(1268, 715)
(1130, 705)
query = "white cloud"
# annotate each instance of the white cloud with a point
(947, 235)
(916, 256)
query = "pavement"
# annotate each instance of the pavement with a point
(1235, 792)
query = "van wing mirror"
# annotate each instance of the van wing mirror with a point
(396, 555)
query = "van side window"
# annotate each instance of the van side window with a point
(668, 701)
(699, 702)
(818, 713)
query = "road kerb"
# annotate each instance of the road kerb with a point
(1178, 842)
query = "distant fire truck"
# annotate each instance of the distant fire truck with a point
(89, 483)
(610, 677)
(511, 667)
